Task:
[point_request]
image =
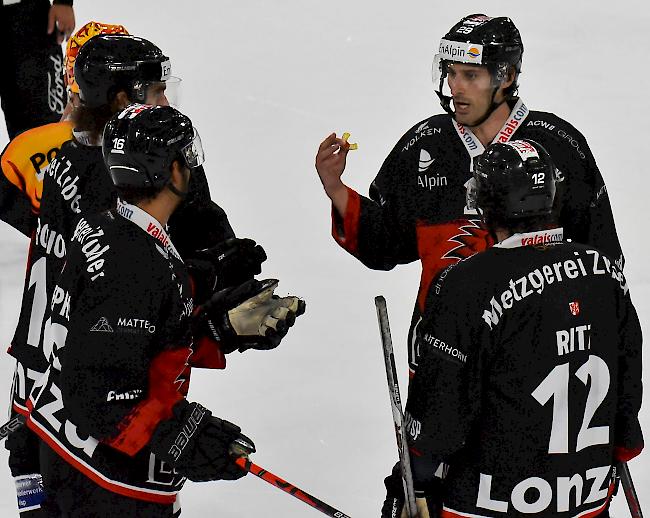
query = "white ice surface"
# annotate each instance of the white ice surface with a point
(265, 81)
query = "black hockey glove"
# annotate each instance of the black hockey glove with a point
(249, 316)
(198, 445)
(227, 264)
(429, 497)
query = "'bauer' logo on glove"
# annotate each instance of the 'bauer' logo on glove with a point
(187, 431)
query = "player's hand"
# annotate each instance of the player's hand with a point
(330, 164)
(61, 18)
(428, 499)
(249, 316)
(205, 454)
(227, 264)
(423, 509)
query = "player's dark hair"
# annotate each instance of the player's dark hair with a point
(137, 194)
(511, 91)
(92, 119)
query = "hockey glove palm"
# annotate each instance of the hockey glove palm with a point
(197, 444)
(227, 264)
(249, 316)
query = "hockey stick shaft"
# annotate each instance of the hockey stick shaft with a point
(630, 492)
(246, 464)
(396, 406)
(13, 424)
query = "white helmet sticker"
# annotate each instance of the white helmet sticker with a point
(166, 70)
(524, 149)
(460, 52)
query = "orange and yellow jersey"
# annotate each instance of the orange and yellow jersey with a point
(23, 162)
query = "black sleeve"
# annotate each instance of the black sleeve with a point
(199, 222)
(586, 211)
(62, 2)
(602, 229)
(444, 395)
(628, 435)
(377, 229)
(16, 208)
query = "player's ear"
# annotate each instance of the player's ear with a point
(179, 174)
(510, 78)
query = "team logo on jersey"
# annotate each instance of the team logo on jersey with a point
(425, 160)
(428, 181)
(574, 307)
(467, 240)
(102, 326)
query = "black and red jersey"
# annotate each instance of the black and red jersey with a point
(76, 183)
(528, 382)
(418, 206)
(119, 340)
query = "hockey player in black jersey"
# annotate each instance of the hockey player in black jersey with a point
(112, 71)
(417, 209)
(529, 376)
(118, 434)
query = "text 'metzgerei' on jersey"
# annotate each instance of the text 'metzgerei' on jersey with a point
(529, 380)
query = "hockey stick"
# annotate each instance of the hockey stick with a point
(630, 492)
(11, 425)
(239, 449)
(396, 405)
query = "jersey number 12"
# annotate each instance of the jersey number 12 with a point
(556, 386)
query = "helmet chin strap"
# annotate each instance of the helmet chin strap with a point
(445, 102)
(181, 194)
(493, 106)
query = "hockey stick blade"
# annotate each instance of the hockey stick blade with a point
(630, 492)
(396, 407)
(11, 425)
(246, 464)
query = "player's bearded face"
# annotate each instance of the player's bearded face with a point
(471, 90)
(156, 94)
(164, 93)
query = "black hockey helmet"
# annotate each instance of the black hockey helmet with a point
(478, 39)
(110, 63)
(141, 142)
(514, 180)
